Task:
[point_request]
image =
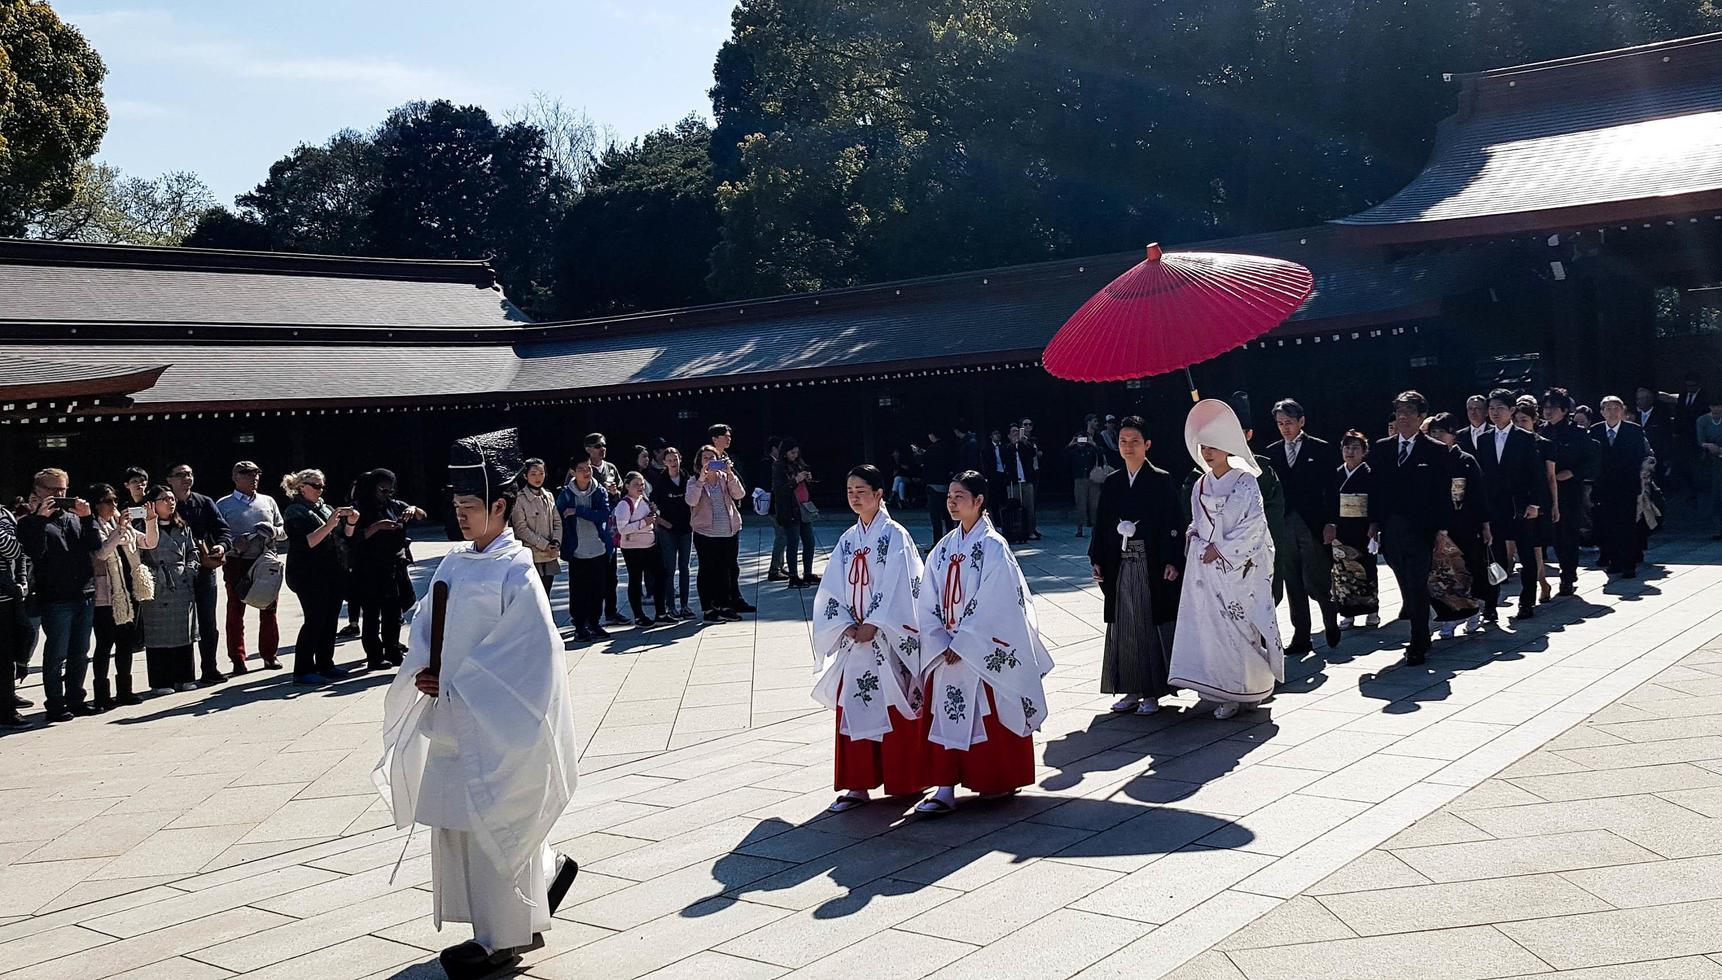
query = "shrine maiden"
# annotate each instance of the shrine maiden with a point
(982, 658)
(867, 652)
(482, 751)
(1227, 645)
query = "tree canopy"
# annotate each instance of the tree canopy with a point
(51, 111)
(109, 207)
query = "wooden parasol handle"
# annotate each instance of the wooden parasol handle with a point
(439, 616)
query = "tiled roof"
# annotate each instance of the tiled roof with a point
(1609, 137)
(106, 284)
(54, 376)
(993, 316)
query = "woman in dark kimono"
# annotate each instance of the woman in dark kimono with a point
(1460, 564)
(1355, 577)
(1137, 554)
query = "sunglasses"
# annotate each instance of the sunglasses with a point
(308, 483)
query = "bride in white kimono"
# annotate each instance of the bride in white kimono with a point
(482, 750)
(983, 658)
(867, 651)
(1227, 645)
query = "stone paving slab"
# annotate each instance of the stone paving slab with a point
(235, 831)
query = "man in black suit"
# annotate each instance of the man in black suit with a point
(1305, 466)
(1476, 423)
(1619, 481)
(1408, 508)
(1516, 489)
(1684, 409)
(1653, 420)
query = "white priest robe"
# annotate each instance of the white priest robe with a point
(1227, 644)
(873, 578)
(975, 602)
(489, 764)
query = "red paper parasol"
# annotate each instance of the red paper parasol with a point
(1174, 310)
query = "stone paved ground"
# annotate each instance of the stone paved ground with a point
(211, 834)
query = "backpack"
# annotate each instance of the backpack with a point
(263, 585)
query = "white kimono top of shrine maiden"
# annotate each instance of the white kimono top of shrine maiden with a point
(1227, 645)
(874, 575)
(975, 602)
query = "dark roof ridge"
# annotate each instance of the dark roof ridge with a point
(478, 272)
(1699, 41)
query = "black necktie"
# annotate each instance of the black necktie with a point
(1404, 451)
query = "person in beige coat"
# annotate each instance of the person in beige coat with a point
(538, 524)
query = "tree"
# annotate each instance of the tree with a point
(318, 198)
(572, 141)
(639, 236)
(112, 208)
(51, 111)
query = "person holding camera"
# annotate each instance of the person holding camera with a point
(212, 539)
(16, 632)
(315, 573)
(716, 521)
(791, 502)
(59, 538)
(120, 588)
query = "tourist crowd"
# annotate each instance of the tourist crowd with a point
(93, 575)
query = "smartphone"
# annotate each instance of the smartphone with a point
(717, 465)
(1082, 440)
(137, 513)
(63, 503)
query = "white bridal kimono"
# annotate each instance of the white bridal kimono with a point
(489, 764)
(1227, 645)
(974, 601)
(873, 576)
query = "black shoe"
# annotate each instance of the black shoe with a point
(617, 619)
(1629, 573)
(796, 583)
(349, 630)
(1567, 589)
(394, 657)
(14, 723)
(684, 613)
(83, 708)
(18, 702)
(61, 715)
(101, 705)
(600, 633)
(745, 607)
(730, 614)
(582, 636)
(665, 619)
(333, 672)
(128, 699)
(213, 678)
(1415, 658)
(566, 871)
(237, 669)
(469, 961)
(1331, 633)
(711, 616)
(1299, 646)
(378, 664)
(1526, 612)
(810, 578)
(274, 663)
(1035, 536)
(776, 575)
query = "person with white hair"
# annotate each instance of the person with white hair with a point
(1227, 645)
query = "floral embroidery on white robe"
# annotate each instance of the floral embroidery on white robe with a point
(975, 602)
(1227, 645)
(873, 577)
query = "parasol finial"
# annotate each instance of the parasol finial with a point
(1154, 252)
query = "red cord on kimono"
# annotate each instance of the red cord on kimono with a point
(860, 577)
(953, 590)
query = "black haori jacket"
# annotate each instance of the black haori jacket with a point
(1152, 502)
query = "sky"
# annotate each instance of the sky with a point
(225, 89)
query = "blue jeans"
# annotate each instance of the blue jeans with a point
(208, 631)
(66, 628)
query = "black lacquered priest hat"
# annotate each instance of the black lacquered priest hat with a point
(481, 465)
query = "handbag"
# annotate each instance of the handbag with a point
(809, 513)
(263, 585)
(143, 582)
(1099, 472)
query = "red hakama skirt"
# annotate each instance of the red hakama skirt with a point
(897, 762)
(1004, 762)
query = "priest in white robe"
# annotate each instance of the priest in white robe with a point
(478, 739)
(1227, 645)
(867, 651)
(983, 658)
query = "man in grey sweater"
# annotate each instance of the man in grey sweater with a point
(257, 526)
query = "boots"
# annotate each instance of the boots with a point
(102, 700)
